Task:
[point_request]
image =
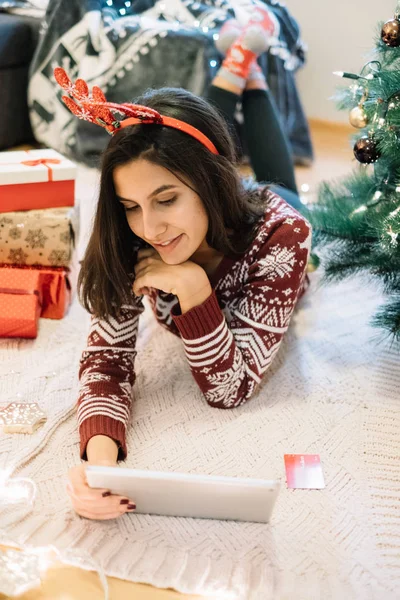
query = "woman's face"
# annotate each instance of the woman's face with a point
(161, 210)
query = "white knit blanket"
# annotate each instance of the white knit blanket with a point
(331, 391)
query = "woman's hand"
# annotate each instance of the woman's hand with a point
(95, 503)
(188, 281)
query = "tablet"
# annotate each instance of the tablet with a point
(188, 495)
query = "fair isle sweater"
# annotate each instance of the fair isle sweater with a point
(230, 340)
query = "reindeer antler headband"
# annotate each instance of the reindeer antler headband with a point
(95, 108)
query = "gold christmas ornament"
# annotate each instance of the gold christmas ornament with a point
(358, 117)
(21, 417)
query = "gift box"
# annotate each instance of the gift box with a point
(35, 179)
(56, 287)
(20, 303)
(38, 237)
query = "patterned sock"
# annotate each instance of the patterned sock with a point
(243, 52)
(260, 16)
(229, 33)
(255, 72)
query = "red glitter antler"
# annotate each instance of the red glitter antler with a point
(95, 108)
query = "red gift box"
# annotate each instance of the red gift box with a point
(20, 303)
(56, 286)
(57, 293)
(35, 179)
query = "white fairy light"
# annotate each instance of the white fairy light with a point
(213, 63)
(395, 212)
(122, 11)
(109, 2)
(360, 209)
(128, 3)
(393, 235)
(378, 195)
(205, 29)
(216, 37)
(305, 187)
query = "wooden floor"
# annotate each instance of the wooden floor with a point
(333, 159)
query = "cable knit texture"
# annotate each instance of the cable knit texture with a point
(230, 340)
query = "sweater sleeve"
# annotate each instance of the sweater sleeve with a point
(106, 377)
(228, 362)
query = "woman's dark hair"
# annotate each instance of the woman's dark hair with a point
(234, 207)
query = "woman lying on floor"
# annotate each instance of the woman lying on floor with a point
(222, 261)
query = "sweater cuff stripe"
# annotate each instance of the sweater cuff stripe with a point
(103, 425)
(200, 322)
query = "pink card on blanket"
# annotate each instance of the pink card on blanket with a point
(304, 471)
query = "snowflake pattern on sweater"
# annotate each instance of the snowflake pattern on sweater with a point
(230, 340)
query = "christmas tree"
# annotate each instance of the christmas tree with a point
(357, 220)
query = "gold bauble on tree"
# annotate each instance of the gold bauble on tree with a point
(391, 33)
(358, 117)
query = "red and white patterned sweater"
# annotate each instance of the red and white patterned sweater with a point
(230, 340)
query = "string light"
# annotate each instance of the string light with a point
(109, 2)
(122, 11)
(213, 63)
(360, 209)
(305, 187)
(393, 235)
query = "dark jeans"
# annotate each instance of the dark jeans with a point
(269, 149)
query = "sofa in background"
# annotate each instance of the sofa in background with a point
(18, 40)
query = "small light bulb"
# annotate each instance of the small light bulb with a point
(213, 63)
(377, 195)
(359, 210)
(128, 3)
(122, 11)
(109, 2)
(216, 36)
(205, 29)
(305, 187)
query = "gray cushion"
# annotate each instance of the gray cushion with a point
(18, 39)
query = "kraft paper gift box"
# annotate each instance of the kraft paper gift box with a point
(38, 237)
(35, 179)
(20, 303)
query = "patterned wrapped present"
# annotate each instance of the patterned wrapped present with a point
(38, 237)
(20, 302)
(56, 287)
(35, 179)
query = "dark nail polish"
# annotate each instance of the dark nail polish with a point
(131, 506)
(124, 501)
(105, 494)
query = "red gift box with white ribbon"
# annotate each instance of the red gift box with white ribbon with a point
(35, 179)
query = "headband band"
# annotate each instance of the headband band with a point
(95, 109)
